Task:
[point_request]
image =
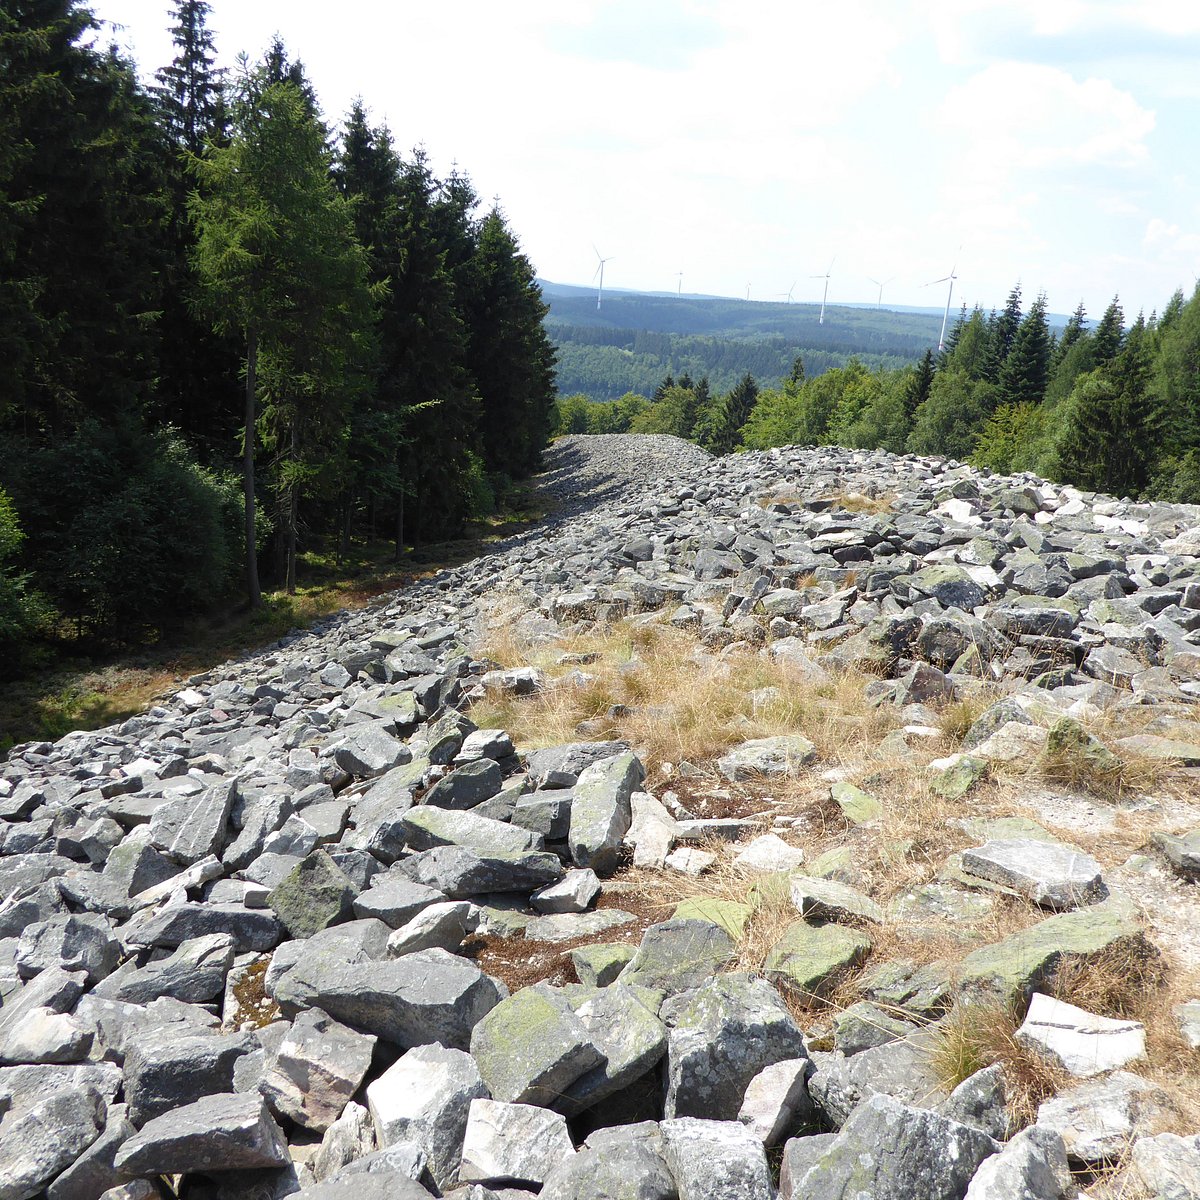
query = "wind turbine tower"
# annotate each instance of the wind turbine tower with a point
(679, 286)
(949, 295)
(880, 285)
(825, 295)
(600, 274)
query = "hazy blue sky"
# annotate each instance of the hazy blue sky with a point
(752, 142)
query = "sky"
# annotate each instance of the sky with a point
(725, 146)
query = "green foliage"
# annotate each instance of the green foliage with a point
(1004, 441)
(719, 429)
(1178, 479)
(22, 611)
(947, 423)
(125, 528)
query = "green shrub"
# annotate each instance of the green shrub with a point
(22, 612)
(125, 529)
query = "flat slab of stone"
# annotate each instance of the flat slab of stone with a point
(428, 827)
(829, 900)
(1098, 1120)
(1051, 875)
(531, 1047)
(218, 1133)
(513, 1143)
(43, 1141)
(769, 853)
(1081, 1042)
(1013, 969)
(679, 954)
(716, 1158)
(460, 872)
(767, 758)
(563, 927)
(811, 958)
(429, 996)
(1182, 852)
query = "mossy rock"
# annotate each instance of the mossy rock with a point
(811, 958)
(1011, 970)
(858, 807)
(730, 915)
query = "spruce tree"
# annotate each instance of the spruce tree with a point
(280, 266)
(1075, 328)
(1002, 334)
(720, 432)
(190, 90)
(1026, 370)
(916, 391)
(1108, 335)
(509, 354)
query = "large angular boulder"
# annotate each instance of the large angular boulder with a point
(317, 1068)
(513, 1143)
(601, 811)
(767, 758)
(889, 1150)
(430, 996)
(41, 1142)
(424, 1098)
(720, 1036)
(715, 1158)
(217, 1133)
(531, 1047)
(1082, 1043)
(313, 896)
(679, 954)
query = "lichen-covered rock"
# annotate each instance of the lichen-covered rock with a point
(601, 811)
(315, 895)
(721, 1035)
(678, 954)
(891, 1151)
(531, 1047)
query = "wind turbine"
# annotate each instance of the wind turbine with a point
(600, 274)
(949, 294)
(679, 286)
(880, 283)
(747, 293)
(788, 293)
(825, 296)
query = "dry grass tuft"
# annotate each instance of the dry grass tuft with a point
(975, 1036)
(663, 692)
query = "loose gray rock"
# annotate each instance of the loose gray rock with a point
(1033, 1166)
(429, 996)
(531, 1047)
(891, 1151)
(318, 1067)
(517, 1143)
(217, 1133)
(1168, 1166)
(1081, 1042)
(720, 1036)
(315, 895)
(170, 1070)
(82, 942)
(716, 1158)
(47, 1138)
(424, 1097)
(1099, 1119)
(767, 758)
(442, 925)
(601, 811)
(195, 973)
(1054, 876)
(679, 954)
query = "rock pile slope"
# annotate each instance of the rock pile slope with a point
(456, 896)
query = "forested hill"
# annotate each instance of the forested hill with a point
(635, 339)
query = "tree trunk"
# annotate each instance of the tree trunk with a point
(252, 589)
(293, 506)
(347, 523)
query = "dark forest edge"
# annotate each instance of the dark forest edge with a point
(185, 262)
(1107, 406)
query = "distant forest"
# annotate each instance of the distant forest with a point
(230, 333)
(1107, 405)
(632, 341)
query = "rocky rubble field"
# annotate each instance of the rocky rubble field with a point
(810, 823)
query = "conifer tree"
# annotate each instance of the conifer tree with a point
(720, 431)
(1002, 333)
(190, 90)
(1026, 370)
(509, 354)
(1075, 328)
(280, 266)
(917, 390)
(1108, 335)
